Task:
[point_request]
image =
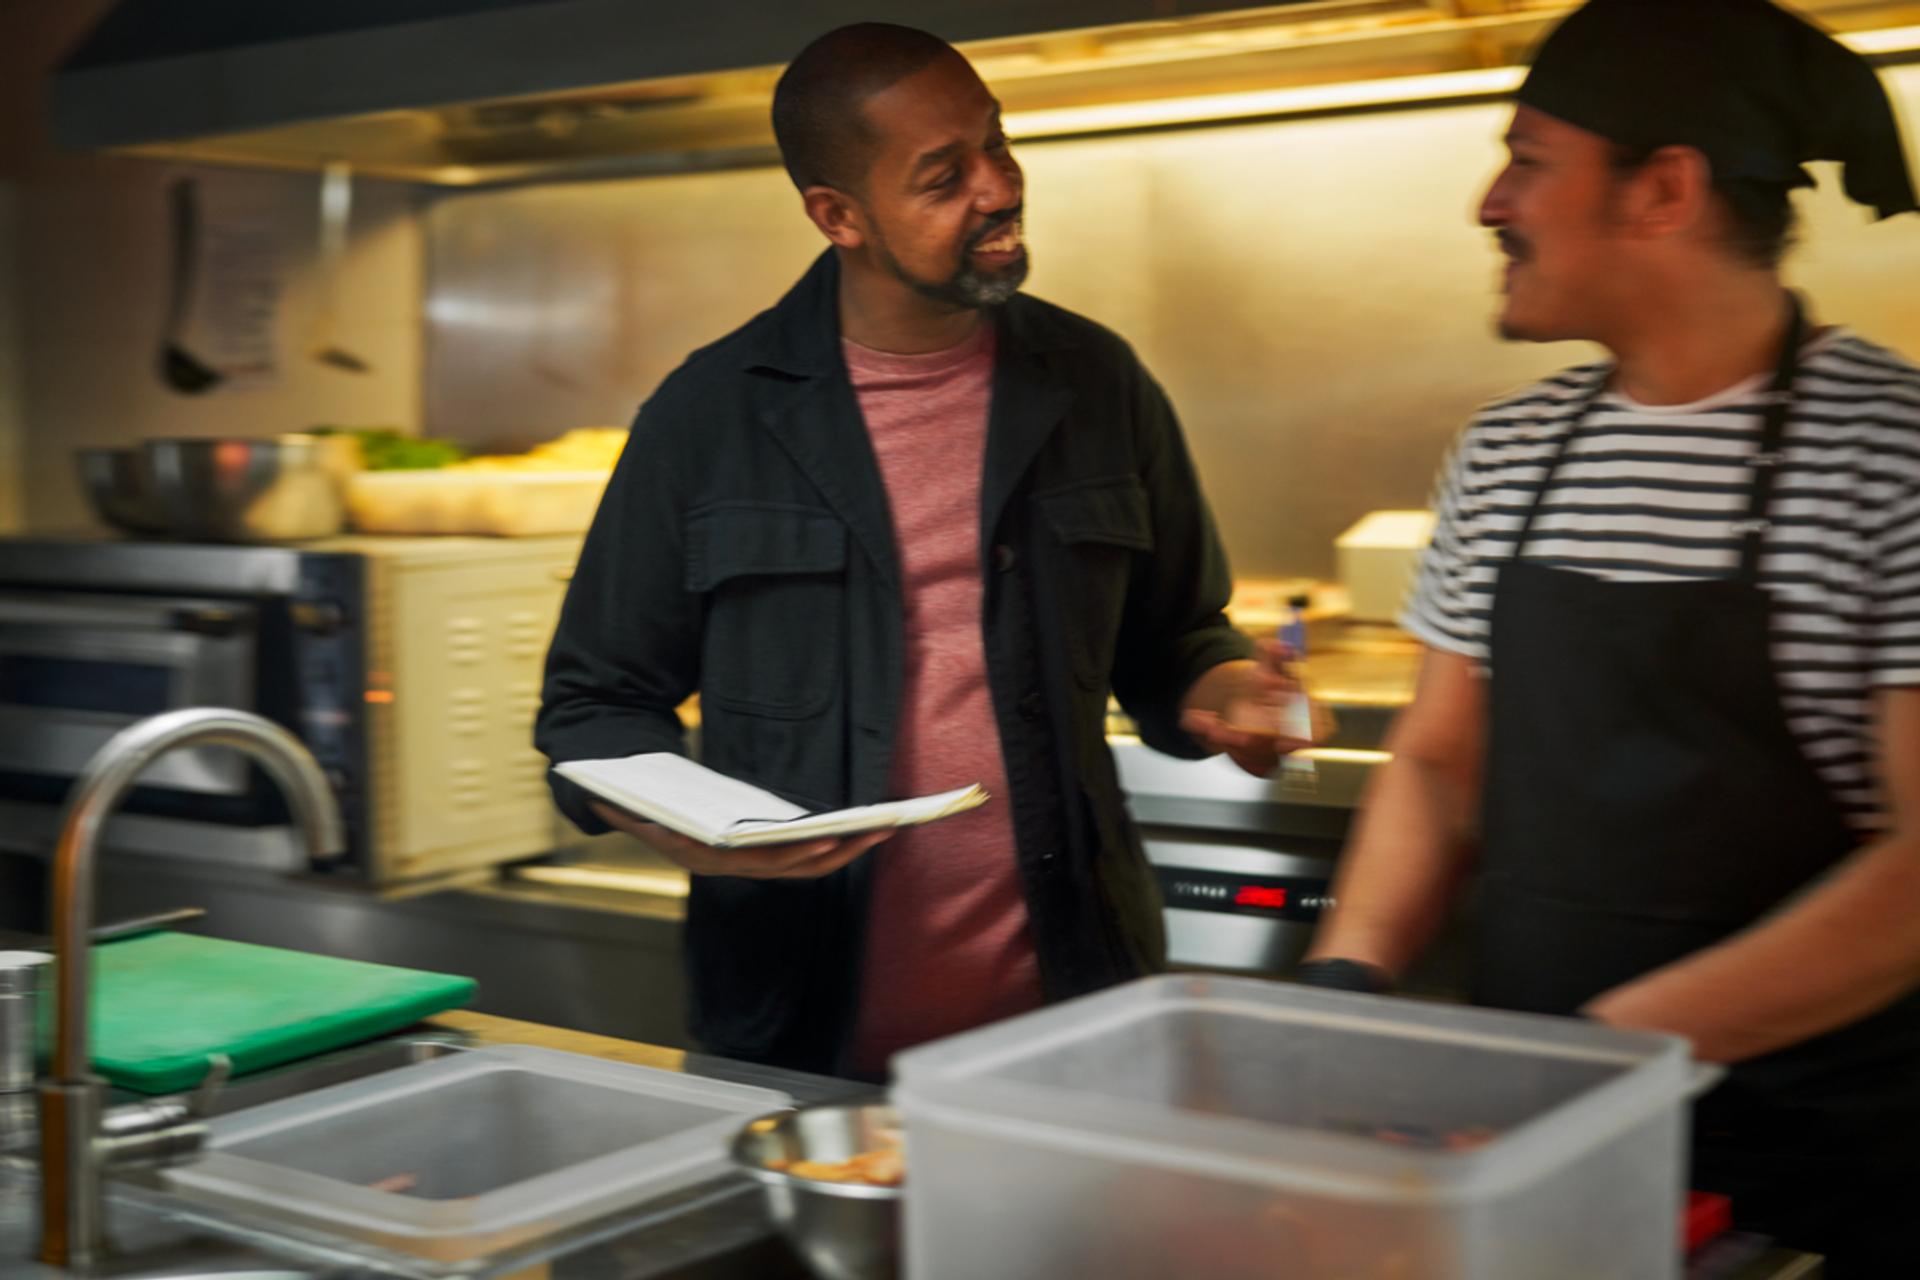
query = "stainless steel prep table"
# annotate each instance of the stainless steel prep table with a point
(728, 1241)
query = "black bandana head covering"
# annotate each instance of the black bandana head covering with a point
(1758, 90)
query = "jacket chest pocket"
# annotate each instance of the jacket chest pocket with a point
(1098, 529)
(774, 578)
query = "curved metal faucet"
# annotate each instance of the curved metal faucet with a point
(78, 1139)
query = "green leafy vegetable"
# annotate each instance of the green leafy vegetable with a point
(388, 449)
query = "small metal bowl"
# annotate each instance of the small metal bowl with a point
(843, 1230)
(217, 490)
(238, 490)
(120, 486)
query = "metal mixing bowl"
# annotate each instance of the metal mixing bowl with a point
(844, 1230)
(120, 485)
(219, 490)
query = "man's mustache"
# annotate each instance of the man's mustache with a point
(994, 226)
(1514, 245)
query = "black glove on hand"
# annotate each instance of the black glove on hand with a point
(1344, 975)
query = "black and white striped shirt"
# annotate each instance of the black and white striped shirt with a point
(1655, 493)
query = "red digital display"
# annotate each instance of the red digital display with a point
(1257, 895)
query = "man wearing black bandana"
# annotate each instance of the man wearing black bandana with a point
(1670, 710)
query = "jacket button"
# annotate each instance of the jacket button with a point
(1032, 706)
(1003, 557)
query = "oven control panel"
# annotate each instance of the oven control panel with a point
(1300, 898)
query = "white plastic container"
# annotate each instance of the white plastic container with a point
(470, 1155)
(1228, 1128)
(1377, 558)
(511, 504)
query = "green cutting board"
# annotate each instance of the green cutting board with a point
(162, 1003)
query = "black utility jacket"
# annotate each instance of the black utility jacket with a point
(745, 549)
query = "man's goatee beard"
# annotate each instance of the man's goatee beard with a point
(974, 288)
(970, 286)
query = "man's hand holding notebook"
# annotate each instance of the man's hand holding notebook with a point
(716, 825)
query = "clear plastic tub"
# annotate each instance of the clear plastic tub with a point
(475, 1153)
(1227, 1128)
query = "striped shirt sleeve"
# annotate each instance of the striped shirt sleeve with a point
(1894, 633)
(1439, 611)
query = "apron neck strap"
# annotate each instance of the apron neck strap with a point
(1773, 433)
(1582, 410)
(1765, 463)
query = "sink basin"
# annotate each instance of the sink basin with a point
(338, 1067)
(472, 1153)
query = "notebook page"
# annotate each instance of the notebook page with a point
(673, 790)
(870, 817)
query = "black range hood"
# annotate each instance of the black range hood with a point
(158, 70)
(474, 90)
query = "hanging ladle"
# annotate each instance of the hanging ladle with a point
(336, 213)
(179, 367)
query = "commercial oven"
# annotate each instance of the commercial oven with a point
(410, 667)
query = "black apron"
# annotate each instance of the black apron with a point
(1645, 799)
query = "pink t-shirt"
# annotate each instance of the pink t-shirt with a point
(948, 946)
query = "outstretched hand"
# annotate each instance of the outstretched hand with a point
(1238, 707)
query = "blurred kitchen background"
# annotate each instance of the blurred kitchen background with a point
(553, 202)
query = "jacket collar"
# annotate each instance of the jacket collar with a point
(802, 336)
(809, 406)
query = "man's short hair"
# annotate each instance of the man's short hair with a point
(825, 139)
(1760, 215)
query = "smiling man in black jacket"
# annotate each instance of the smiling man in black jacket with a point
(906, 530)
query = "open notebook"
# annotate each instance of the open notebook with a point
(730, 814)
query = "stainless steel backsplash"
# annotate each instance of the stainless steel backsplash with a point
(1314, 295)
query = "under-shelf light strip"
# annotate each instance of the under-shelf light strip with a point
(1449, 86)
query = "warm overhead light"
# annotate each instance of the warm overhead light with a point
(664, 882)
(1893, 40)
(1306, 755)
(1343, 755)
(1399, 91)
(1217, 108)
